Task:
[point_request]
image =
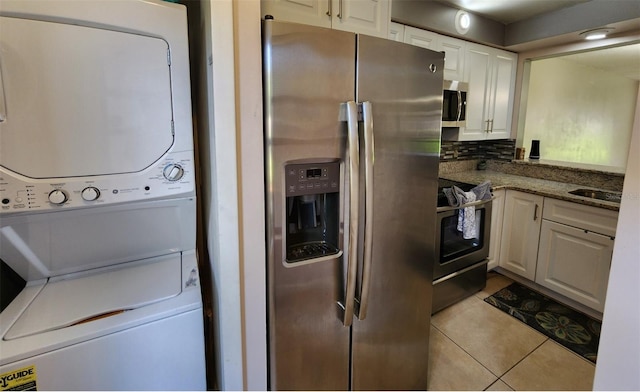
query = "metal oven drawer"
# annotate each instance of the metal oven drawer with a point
(459, 285)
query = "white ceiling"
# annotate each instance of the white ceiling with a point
(622, 60)
(509, 11)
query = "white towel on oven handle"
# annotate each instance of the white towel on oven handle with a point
(467, 215)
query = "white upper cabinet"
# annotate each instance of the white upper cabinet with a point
(491, 76)
(490, 73)
(370, 17)
(396, 32)
(478, 75)
(454, 49)
(421, 38)
(313, 12)
(454, 57)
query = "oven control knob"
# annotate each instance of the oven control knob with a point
(90, 193)
(173, 172)
(57, 196)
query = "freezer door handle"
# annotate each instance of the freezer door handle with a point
(368, 138)
(354, 170)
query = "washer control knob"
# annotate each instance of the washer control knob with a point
(173, 172)
(57, 196)
(90, 193)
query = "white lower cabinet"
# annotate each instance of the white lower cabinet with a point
(575, 263)
(497, 213)
(520, 233)
(563, 246)
(576, 245)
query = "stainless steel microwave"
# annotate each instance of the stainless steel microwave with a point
(454, 103)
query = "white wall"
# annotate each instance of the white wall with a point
(580, 114)
(230, 135)
(248, 48)
(217, 136)
(618, 366)
(522, 73)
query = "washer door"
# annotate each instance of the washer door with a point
(82, 101)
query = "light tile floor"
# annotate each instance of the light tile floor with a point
(475, 346)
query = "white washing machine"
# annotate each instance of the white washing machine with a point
(97, 198)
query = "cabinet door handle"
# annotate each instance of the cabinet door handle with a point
(535, 213)
(491, 126)
(340, 9)
(329, 8)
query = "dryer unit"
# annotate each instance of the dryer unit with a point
(97, 197)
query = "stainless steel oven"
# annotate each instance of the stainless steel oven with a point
(461, 265)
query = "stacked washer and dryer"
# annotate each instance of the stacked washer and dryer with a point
(97, 198)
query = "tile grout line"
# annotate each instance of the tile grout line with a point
(522, 359)
(499, 377)
(469, 354)
(547, 337)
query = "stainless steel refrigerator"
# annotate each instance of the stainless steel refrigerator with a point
(352, 143)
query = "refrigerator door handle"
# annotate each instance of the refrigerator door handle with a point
(354, 170)
(368, 138)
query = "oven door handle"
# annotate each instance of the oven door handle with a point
(472, 204)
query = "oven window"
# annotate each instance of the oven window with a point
(452, 241)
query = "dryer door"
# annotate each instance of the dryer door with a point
(82, 101)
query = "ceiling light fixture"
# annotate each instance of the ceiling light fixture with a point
(462, 22)
(596, 33)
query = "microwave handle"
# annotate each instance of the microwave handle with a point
(459, 105)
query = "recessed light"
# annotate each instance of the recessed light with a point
(596, 33)
(462, 22)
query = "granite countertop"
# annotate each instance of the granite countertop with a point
(554, 189)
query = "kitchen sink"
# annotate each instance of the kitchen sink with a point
(601, 195)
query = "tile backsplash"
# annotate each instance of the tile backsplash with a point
(503, 150)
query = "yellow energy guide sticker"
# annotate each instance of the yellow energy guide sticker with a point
(19, 380)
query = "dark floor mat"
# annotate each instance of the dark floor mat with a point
(572, 329)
